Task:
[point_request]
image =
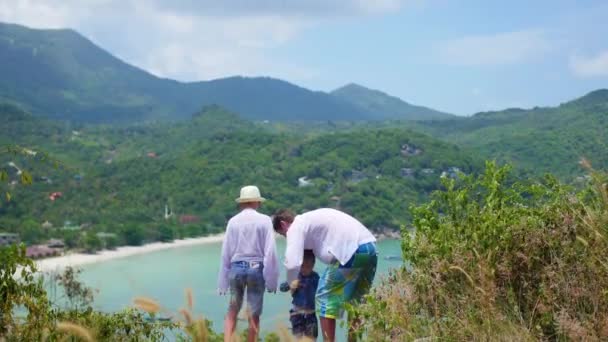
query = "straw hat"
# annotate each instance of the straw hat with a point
(250, 193)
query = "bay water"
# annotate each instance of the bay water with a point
(164, 276)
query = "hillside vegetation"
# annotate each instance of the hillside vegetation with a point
(540, 140)
(119, 180)
(492, 258)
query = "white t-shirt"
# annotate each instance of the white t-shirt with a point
(331, 234)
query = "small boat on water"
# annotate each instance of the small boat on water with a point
(158, 319)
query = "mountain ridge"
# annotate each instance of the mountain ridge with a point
(64, 75)
(386, 106)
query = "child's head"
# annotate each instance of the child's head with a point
(308, 263)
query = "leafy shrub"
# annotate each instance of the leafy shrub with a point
(495, 259)
(26, 314)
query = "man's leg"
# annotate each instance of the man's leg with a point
(230, 324)
(237, 291)
(255, 300)
(365, 272)
(254, 328)
(330, 298)
(328, 329)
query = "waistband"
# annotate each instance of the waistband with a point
(366, 248)
(303, 312)
(247, 264)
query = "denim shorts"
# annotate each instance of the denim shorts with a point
(247, 276)
(304, 325)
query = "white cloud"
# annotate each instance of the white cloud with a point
(297, 8)
(194, 39)
(593, 66)
(497, 49)
(38, 13)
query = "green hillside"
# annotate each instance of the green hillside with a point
(61, 74)
(384, 106)
(540, 140)
(120, 179)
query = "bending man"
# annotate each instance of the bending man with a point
(340, 241)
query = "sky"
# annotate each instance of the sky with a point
(458, 56)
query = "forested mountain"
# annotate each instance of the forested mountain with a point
(61, 74)
(119, 179)
(550, 139)
(386, 107)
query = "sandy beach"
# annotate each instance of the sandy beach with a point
(79, 259)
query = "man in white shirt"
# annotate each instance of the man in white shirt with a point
(249, 262)
(340, 241)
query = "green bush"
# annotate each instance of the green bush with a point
(494, 259)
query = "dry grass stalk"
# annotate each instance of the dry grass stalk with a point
(189, 299)
(200, 333)
(585, 163)
(187, 316)
(284, 334)
(235, 338)
(75, 330)
(45, 335)
(146, 304)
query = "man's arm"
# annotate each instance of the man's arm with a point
(271, 260)
(227, 246)
(294, 252)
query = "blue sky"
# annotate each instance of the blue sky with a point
(457, 56)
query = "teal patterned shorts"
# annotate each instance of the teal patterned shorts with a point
(348, 283)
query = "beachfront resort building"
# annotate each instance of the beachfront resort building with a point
(41, 251)
(8, 239)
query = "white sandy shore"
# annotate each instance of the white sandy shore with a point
(79, 259)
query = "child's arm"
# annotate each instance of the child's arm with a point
(315, 280)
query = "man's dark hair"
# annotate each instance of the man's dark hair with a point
(309, 255)
(281, 215)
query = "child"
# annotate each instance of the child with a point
(303, 317)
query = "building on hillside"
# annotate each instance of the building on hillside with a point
(14, 166)
(46, 225)
(188, 219)
(407, 172)
(8, 239)
(104, 235)
(68, 225)
(451, 172)
(46, 180)
(357, 176)
(55, 243)
(55, 195)
(168, 212)
(304, 182)
(428, 171)
(408, 150)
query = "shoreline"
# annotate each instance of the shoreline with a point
(79, 259)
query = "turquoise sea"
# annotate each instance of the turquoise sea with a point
(164, 276)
